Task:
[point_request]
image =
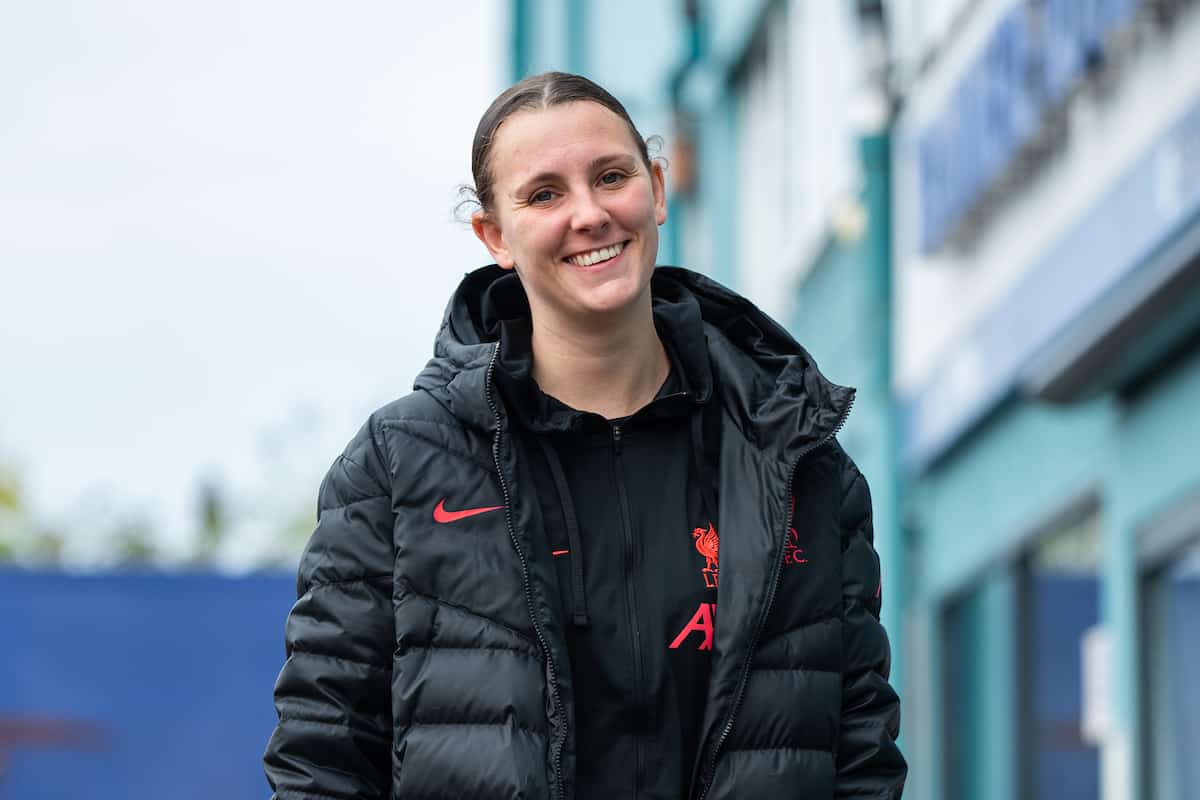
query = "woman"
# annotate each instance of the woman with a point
(609, 546)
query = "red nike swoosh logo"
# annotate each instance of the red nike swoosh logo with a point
(440, 514)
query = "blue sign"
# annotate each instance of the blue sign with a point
(1035, 56)
(1151, 202)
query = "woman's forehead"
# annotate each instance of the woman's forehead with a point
(559, 138)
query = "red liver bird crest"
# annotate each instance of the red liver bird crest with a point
(708, 544)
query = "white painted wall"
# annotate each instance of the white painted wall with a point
(941, 297)
(797, 144)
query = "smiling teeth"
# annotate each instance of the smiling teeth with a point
(596, 256)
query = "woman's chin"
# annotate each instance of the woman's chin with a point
(612, 297)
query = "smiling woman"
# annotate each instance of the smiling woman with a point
(576, 214)
(567, 564)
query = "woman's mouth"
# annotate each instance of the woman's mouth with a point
(597, 256)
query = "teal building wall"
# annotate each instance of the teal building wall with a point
(1124, 452)
(843, 318)
(978, 512)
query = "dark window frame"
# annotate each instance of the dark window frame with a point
(1159, 544)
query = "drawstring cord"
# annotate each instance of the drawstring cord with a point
(578, 591)
(708, 496)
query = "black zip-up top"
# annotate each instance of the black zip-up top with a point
(437, 645)
(629, 514)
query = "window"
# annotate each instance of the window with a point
(1061, 603)
(979, 685)
(963, 658)
(1172, 694)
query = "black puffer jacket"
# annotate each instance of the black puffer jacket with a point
(428, 660)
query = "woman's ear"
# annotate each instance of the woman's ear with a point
(488, 231)
(658, 182)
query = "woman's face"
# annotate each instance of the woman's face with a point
(576, 213)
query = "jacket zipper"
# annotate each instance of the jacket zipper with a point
(557, 745)
(711, 769)
(630, 602)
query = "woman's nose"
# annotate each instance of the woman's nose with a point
(587, 213)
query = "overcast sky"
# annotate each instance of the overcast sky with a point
(226, 236)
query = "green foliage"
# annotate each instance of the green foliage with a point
(10, 492)
(103, 530)
(46, 547)
(214, 517)
(13, 524)
(133, 542)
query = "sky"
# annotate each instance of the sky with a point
(227, 234)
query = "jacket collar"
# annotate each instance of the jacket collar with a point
(768, 383)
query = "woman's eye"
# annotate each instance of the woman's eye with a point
(611, 178)
(544, 196)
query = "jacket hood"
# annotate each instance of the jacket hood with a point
(768, 383)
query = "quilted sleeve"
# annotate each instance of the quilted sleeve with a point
(332, 696)
(869, 765)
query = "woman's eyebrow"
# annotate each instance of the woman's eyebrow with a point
(593, 165)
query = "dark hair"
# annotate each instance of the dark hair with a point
(537, 92)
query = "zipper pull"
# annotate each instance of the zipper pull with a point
(616, 431)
